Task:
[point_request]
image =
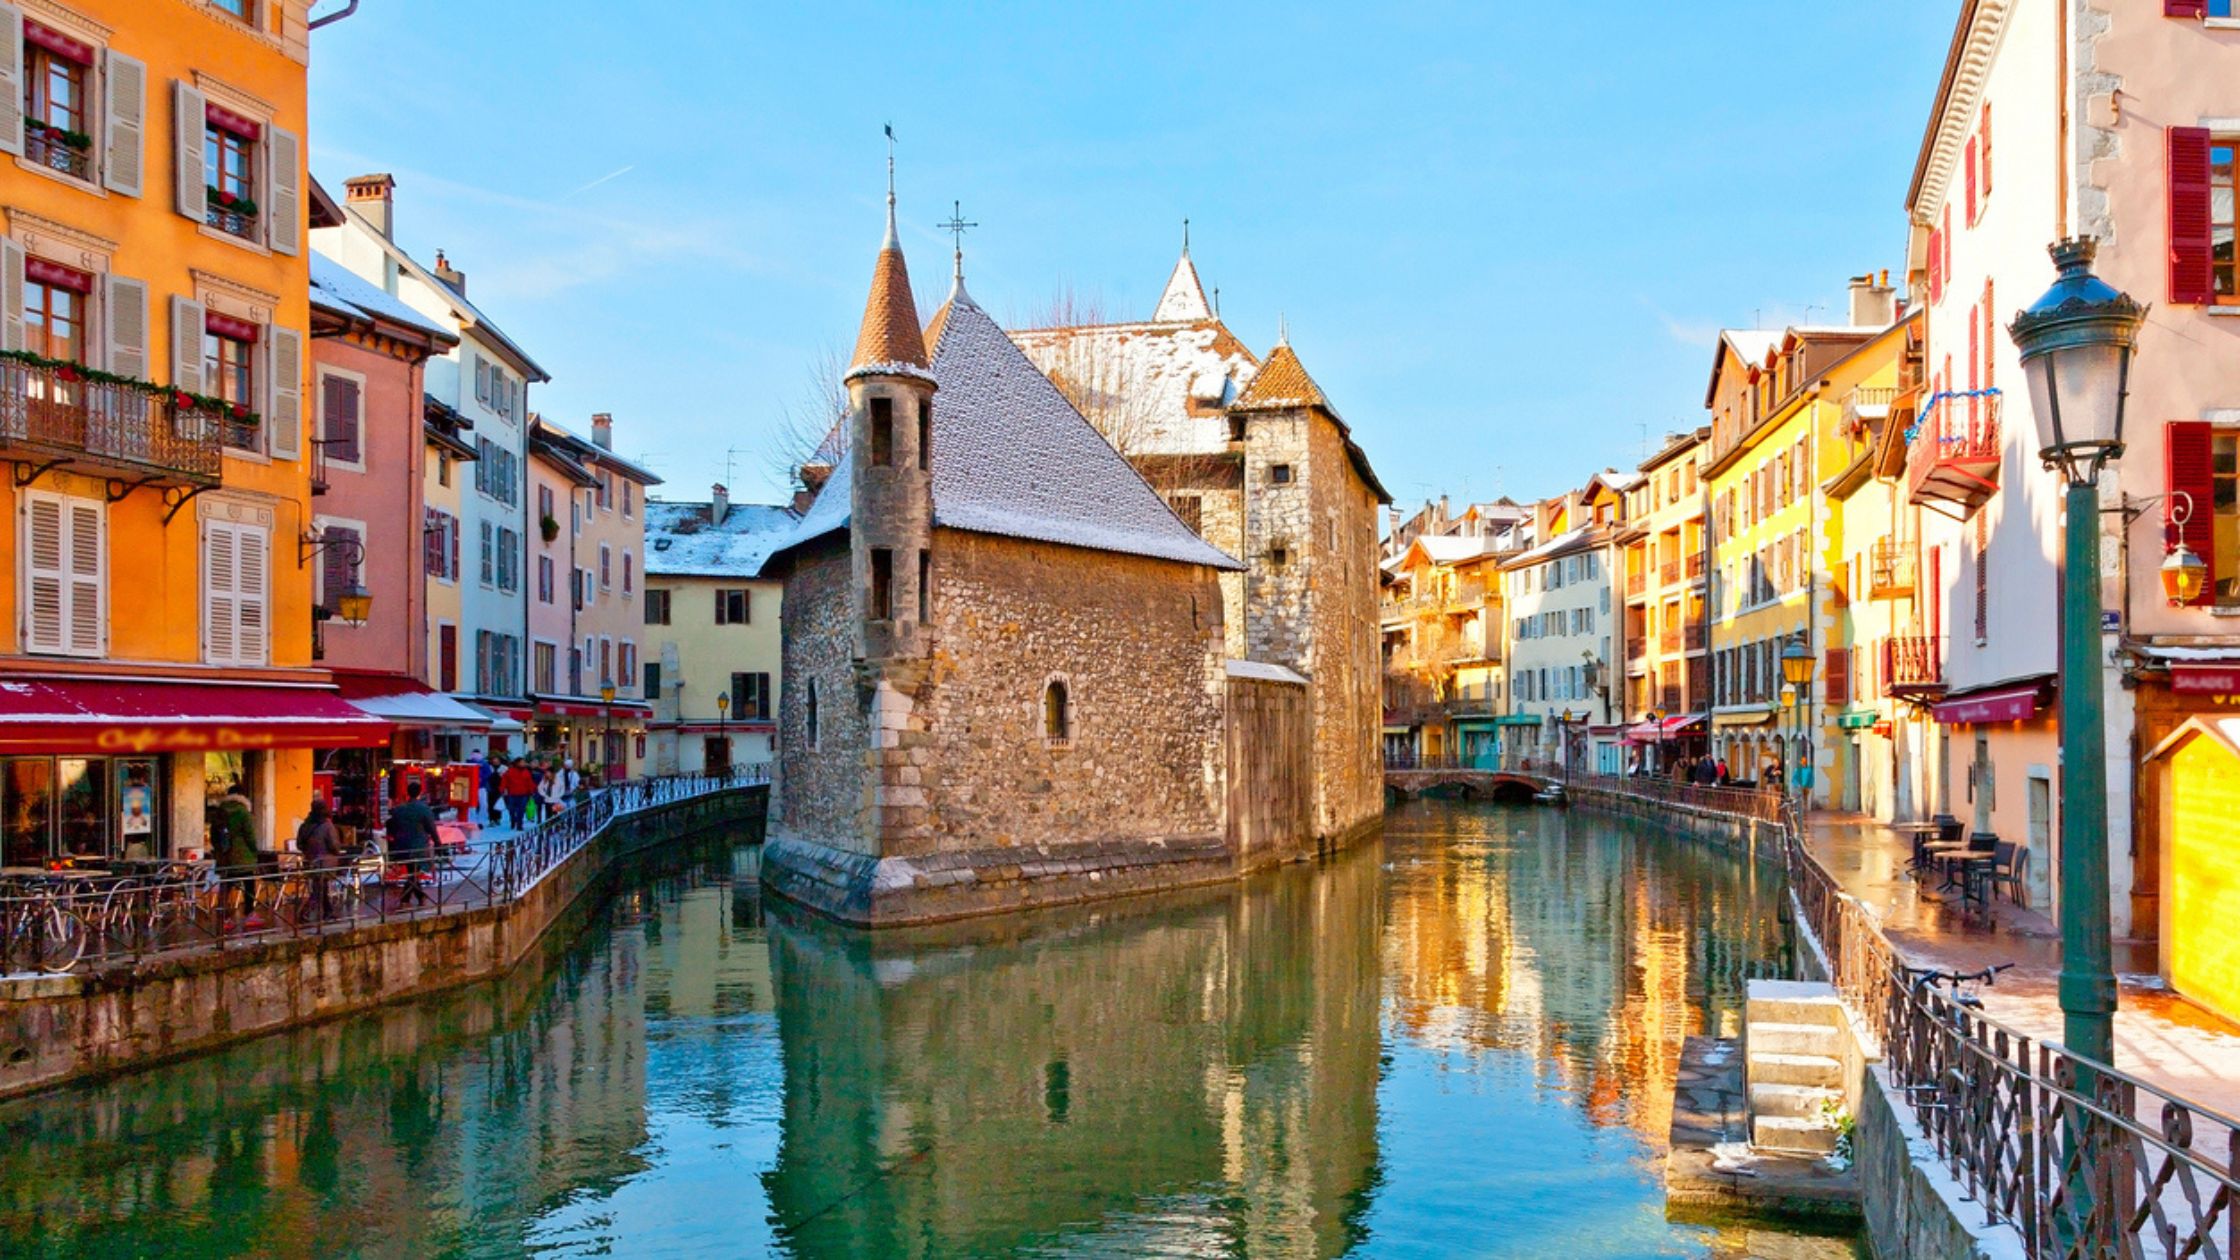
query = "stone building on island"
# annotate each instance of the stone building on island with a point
(1253, 455)
(1005, 680)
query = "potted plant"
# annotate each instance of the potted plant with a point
(549, 527)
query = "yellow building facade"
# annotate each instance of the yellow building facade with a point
(713, 655)
(154, 278)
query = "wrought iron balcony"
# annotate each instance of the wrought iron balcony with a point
(1890, 569)
(1668, 640)
(1911, 666)
(57, 149)
(1695, 566)
(1637, 581)
(1954, 455)
(1698, 636)
(54, 418)
(1637, 646)
(1668, 573)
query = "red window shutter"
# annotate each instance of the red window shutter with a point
(1983, 148)
(2191, 281)
(1936, 265)
(2185, 8)
(2186, 453)
(1971, 181)
(1839, 676)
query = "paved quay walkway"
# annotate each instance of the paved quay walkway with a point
(2160, 1037)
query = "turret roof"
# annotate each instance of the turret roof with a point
(889, 339)
(1184, 298)
(1281, 382)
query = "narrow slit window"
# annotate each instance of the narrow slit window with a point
(1057, 716)
(809, 713)
(925, 436)
(925, 586)
(882, 432)
(882, 584)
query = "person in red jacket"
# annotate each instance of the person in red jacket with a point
(517, 785)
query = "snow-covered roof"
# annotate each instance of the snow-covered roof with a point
(466, 312)
(1154, 388)
(339, 289)
(1011, 456)
(1184, 298)
(1751, 345)
(1451, 548)
(1560, 545)
(1263, 671)
(685, 540)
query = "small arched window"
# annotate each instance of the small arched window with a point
(1057, 711)
(809, 712)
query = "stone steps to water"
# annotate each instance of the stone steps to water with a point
(1817, 1070)
(1797, 1009)
(1797, 1102)
(1792, 1134)
(1778, 1038)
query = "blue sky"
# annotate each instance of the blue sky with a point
(1503, 235)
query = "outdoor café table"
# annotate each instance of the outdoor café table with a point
(1919, 833)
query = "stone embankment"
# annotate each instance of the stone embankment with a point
(56, 1029)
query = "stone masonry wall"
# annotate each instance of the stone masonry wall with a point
(1138, 643)
(1348, 662)
(819, 793)
(1215, 481)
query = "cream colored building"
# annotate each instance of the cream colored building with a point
(710, 632)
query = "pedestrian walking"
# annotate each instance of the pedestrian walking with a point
(516, 785)
(412, 839)
(552, 792)
(1725, 776)
(234, 847)
(320, 844)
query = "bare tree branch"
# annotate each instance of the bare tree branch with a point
(810, 425)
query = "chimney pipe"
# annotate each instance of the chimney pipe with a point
(375, 198)
(450, 275)
(602, 430)
(719, 504)
(1873, 302)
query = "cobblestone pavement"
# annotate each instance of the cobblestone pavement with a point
(2160, 1037)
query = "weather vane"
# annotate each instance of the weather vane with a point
(955, 227)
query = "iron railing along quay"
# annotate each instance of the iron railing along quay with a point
(2079, 1158)
(68, 921)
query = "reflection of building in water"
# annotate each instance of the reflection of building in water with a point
(1177, 1073)
(1593, 952)
(431, 1127)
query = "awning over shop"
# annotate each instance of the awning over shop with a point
(114, 716)
(1663, 729)
(503, 720)
(407, 701)
(579, 707)
(2015, 703)
(1725, 720)
(1858, 721)
(1518, 719)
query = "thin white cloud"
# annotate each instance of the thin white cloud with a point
(609, 177)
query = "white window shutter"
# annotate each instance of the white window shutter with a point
(249, 595)
(11, 295)
(190, 121)
(220, 613)
(45, 603)
(186, 344)
(124, 148)
(283, 391)
(87, 560)
(283, 205)
(11, 79)
(126, 303)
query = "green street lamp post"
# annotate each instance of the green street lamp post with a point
(2076, 344)
(1796, 695)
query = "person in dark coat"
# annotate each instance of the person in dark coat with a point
(234, 847)
(320, 844)
(412, 840)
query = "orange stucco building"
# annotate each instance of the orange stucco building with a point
(154, 283)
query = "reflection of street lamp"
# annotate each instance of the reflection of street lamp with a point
(606, 733)
(723, 737)
(2076, 344)
(1563, 725)
(1656, 723)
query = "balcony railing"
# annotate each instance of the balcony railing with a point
(1868, 403)
(231, 221)
(1668, 640)
(1695, 565)
(55, 418)
(1637, 645)
(1911, 666)
(1668, 573)
(1637, 581)
(57, 150)
(1698, 635)
(1890, 569)
(1954, 455)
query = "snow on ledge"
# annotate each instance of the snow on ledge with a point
(1263, 671)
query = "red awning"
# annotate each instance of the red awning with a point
(1650, 732)
(2006, 704)
(113, 716)
(551, 708)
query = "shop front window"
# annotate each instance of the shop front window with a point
(27, 805)
(138, 833)
(84, 830)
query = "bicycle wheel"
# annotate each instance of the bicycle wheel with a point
(61, 938)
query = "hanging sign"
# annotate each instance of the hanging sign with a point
(2205, 680)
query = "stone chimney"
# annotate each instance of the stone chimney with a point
(375, 198)
(813, 476)
(450, 275)
(602, 431)
(801, 501)
(719, 504)
(1873, 302)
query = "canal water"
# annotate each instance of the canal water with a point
(1458, 1041)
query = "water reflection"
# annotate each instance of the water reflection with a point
(1458, 1041)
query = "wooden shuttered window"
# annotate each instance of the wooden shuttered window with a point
(11, 79)
(186, 344)
(283, 190)
(2188, 465)
(2185, 8)
(339, 420)
(124, 123)
(1839, 676)
(283, 391)
(235, 627)
(11, 295)
(65, 594)
(1936, 265)
(338, 565)
(125, 301)
(1971, 180)
(190, 114)
(2192, 280)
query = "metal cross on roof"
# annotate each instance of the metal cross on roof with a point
(955, 227)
